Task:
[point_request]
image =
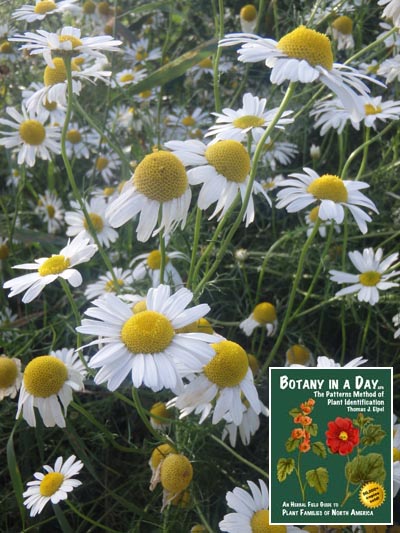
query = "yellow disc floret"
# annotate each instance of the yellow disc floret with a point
(343, 435)
(205, 63)
(200, 326)
(396, 454)
(253, 364)
(6, 47)
(126, 78)
(54, 265)
(89, 7)
(159, 411)
(51, 483)
(230, 159)
(248, 13)
(74, 136)
(370, 278)
(154, 260)
(50, 211)
(343, 24)
(264, 313)
(44, 6)
(139, 307)
(104, 8)
(75, 41)
(4, 251)
(298, 354)
(372, 110)
(8, 372)
(304, 43)
(110, 285)
(188, 121)
(147, 332)
(248, 121)
(328, 187)
(102, 163)
(161, 176)
(32, 132)
(44, 376)
(259, 523)
(228, 366)
(97, 222)
(314, 214)
(160, 453)
(176, 473)
(58, 73)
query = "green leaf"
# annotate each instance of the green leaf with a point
(284, 468)
(15, 474)
(372, 434)
(295, 411)
(312, 429)
(366, 468)
(292, 444)
(319, 449)
(318, 479)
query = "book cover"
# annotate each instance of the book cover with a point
(330, 446)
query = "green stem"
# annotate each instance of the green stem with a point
(195, 244)
(163, 261)
(62, 520)
(365, 154)
(217, 57)
(74, 307)
(88, 519)
(239, 457)
(299, 476)
(365, 332)
(292, 296)
(143, 416)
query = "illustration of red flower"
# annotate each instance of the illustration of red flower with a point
(342, 436)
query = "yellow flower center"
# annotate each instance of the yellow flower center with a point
(298, 354)
(110, 285)
(200, 326)
(145, 94)
(70, 38)
(303, 43)
(259, 523)
(4, 251)
(314, 214)
(32, 132)
(54, 265)
(154, 260)
(228, 366)
(161, 176)
(6, 48)
(8, 372)
(188, 121)
(396, 454)
(74, 136)
(343, 435)
(104, 8)
(44, 6)
(126, 77)
(50, 211)
(51, 483)
(58, 74)
(97, 222)
(44, 376)
(102, 163)
(176, 473)
(160, 453)
(108, 191)
(205, 63)
(328, 187)
(372, 110)
(147, 332)
(248, 13)
(229, 158)
(343, 24)
(248, 121)
(89, 7)
(159, 410)
(370, 278)
(141, 54)
(50, 106)
(139, 307)
(253, 363)
(264, 313)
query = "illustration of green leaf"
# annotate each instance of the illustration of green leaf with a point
(366, 468)
(284, 468)
(313, 429)
(318, 479)
(362, 420)
(319, 449)
(292, 444)
(373, 433)
(295, 411)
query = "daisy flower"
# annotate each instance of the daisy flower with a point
(145, 343)
(48, 383)
(159, 189)
(391, 11)
(205, 66)
(96, 209)
(396, 323)
(160, 416)
(248, 18)
(107, 165)
(251, 118)
(311, 219)
(30, 138)
(327, 362)
(372, 277)
(303, 55)
(128, 77)
(52, 486)
(10, 376)
(50, 268)
(51, 111)
(105, 283)
(331, 191)
(375, 110)
(264, 315)
(247, 428)
(68, 40)
(7, 326)
(390, 69)
(79, 139)
(50, 207)
(342, 32)
(300, 355)
(251, 511)
(139, 52)
(330, 114)
(42, 8)
(223, 168)
(275, 152)
(272, 183)
(224, 378)
(150, 264)
(190, 122)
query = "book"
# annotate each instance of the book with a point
(330, 445)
